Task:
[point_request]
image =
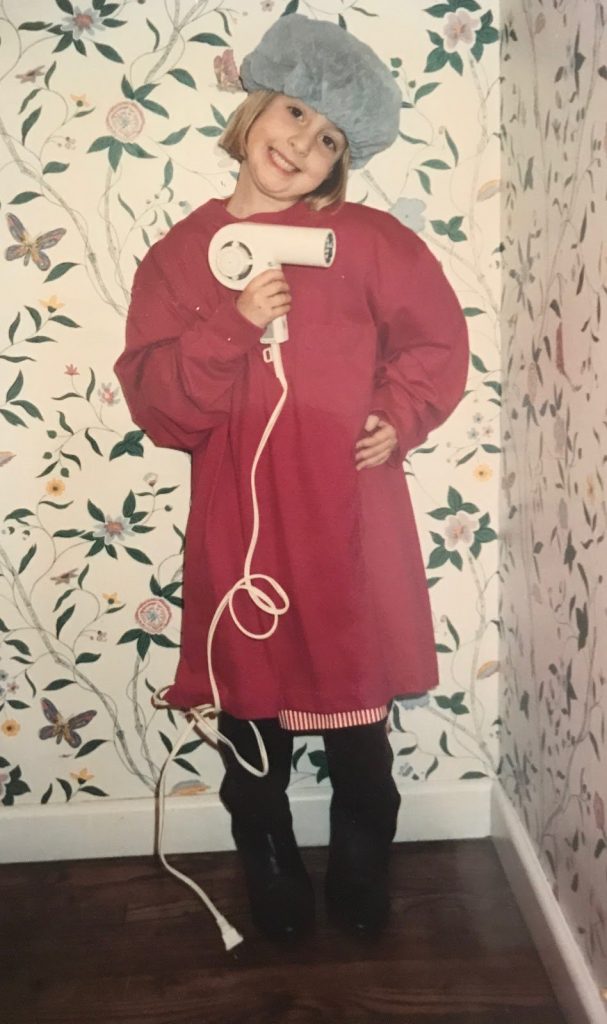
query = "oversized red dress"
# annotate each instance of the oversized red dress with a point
(378, 331)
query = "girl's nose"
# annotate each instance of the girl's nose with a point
(301, 141)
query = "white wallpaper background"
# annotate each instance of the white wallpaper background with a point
(103, 151)
(553, 559)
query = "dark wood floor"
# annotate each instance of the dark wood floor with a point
(122, 942)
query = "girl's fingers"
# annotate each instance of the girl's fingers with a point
(271, 298)
(372, 422)
(275, 286)
(371, 453)
(381, 451)
(279, 299)
(385, 435)
(274, 274)
(377, 458)
(267, 286)
(369, 442)
(280, 311)
(373, 460)
(377, 448)
(372, 463)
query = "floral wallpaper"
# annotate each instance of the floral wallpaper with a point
(554, 552)
(110, 118)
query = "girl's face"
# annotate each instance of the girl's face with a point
(290, 150)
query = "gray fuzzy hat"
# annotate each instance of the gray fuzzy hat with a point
(333, 72)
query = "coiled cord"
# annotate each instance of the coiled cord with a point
(204, 716)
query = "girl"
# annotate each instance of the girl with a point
(377, 357)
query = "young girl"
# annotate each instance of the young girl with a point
(376, 358)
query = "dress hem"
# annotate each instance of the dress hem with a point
(301, 721)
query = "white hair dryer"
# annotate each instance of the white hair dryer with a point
(238, 252)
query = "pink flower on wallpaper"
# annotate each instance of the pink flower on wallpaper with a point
(226, 72)
(599, 812)
(125, 120)
(153, 615)
(108, 395)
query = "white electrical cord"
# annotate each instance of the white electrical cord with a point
(205, 714)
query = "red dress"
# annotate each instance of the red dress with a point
(379, 331)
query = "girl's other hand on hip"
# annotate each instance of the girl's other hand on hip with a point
(377, 447)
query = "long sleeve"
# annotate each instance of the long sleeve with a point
(186, 344)
(423, 339)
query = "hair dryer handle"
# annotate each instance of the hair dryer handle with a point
(277, 330)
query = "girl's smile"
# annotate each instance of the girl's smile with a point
(282, 162)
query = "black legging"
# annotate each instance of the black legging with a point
(359, 762)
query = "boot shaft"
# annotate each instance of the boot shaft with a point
(252, 801)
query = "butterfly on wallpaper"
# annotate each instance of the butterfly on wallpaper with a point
(29, 247)
(65, 577)
(63, 728)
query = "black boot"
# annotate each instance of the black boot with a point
(279, 889)
(364, 810)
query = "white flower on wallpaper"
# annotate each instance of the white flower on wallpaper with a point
(459, 29)
(110, 136)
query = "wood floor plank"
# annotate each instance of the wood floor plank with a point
(122, 942)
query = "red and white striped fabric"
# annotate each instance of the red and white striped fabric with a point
(303, 721)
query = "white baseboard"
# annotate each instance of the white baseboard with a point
(572, 981)
(125, 828)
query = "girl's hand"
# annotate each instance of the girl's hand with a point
(377, 448)
(265, 297)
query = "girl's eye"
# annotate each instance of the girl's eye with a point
(329, 142)
(295, 111)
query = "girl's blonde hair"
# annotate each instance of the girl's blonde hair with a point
(234, 138)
